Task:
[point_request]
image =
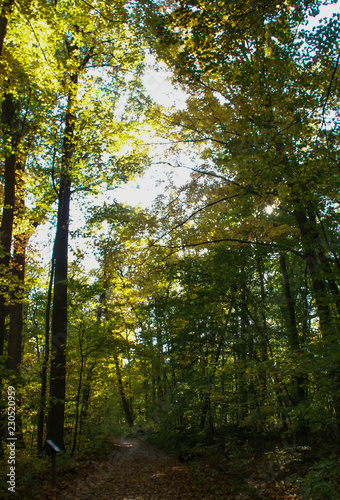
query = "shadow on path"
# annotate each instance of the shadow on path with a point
(134, 470)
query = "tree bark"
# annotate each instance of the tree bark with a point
(11, 136)
(206, 408)
(77, 405)
(16, 323)
(55, 425)
(121, 387)
(55, 428)
(41, 414)
(5, 12)
(293, 339)
(310, 242)
(309, 236)
(293, 333)
(86, 398)
(16, 309)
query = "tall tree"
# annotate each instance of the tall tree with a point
(94, 37)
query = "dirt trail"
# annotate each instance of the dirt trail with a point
(134, 470)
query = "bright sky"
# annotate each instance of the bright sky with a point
(145, 189)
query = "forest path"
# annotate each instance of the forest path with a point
(134, 470)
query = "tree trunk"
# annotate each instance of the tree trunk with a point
(55, 429)
(16, 323)
(294, 339)
(55, 425)
(311, 246)
(206, 409)
(293, 332)
(9, 126)
(309, 236)
(264, 341)
(125, 402)
(16, 309)
(77, 405)
(11, 136)
(5, 12)
(41, 414)
(86, 398)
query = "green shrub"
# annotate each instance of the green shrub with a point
(322, 481)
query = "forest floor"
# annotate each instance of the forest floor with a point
(136, 470)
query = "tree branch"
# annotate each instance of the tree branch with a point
(210, 173)
(235, 240)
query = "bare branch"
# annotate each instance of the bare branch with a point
(329, 89)
(210, 173)
(235, 240)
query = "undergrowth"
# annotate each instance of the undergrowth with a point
(225, 467)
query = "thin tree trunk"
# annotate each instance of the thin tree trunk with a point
(86, 398)
(16, 309)
(240, 360)
(293, 333)
(126, 407)
(294, 338)
(128, 413)
(207, 401)
(265, 343)
(16, 323)
(41, 414)
(77, 405)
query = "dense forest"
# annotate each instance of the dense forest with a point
(209, 322)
